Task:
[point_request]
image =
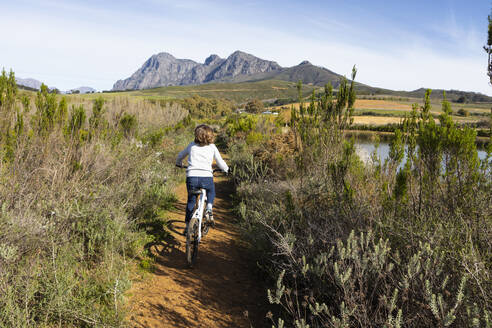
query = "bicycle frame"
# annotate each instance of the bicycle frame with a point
(197, 218)
(199, 212)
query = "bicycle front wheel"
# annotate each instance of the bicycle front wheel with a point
(192, 242)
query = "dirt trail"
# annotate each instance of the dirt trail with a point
(213, 294)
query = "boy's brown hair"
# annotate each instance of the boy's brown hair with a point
(204, 135)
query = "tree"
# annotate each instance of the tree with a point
(463, 112)
(326, 116)
(97, 113)
(254, 106)
(201, 107)
(461, 100)
(46, 109)
(488, 48)
(62, 112)
(8, 94)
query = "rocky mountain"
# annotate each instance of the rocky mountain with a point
(30, 83)
(159, 70)
(164, 69)
(240, 64)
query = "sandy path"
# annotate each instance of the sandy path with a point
(213, 294)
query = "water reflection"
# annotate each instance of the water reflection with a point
(365, 149)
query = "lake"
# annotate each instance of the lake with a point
(365, 149)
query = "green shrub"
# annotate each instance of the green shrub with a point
(463, 112)
(128, 124)
(245, 168)
(97, 123)
(154, 138)
(390, 127)
(240, 123)
(254, 138)
(155, 199)
(460, 100)
(254, 106)
(201, 107)
(77, 120)
(61, 113)
(146, 265)
(46, 110)
(282, 102)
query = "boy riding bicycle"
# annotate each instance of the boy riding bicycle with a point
(199, 174)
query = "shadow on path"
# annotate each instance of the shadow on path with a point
(216, 292)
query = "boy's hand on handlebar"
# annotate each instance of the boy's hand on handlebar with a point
(221, 171)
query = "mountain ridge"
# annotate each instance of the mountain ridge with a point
(164, 69)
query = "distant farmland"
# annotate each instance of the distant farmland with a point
(236, 92)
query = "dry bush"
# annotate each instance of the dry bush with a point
(277, 152)
(206, 108)
(73, 194)
(149, 114)
(70, 226)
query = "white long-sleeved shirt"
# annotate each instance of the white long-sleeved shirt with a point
(200, 160)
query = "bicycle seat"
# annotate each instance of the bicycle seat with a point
(196, 192)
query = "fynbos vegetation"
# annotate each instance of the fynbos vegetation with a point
(403, 242)
(74, 187)
(400, 243)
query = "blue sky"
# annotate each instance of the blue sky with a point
(395, 44)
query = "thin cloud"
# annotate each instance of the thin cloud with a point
(465, 38)
(182, 4)
(74, 44)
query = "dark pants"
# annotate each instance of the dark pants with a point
(197, 183)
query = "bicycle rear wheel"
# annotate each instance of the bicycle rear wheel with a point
(205, 225)
(192, 242)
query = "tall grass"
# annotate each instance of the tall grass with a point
(149, 114)
(73, 193)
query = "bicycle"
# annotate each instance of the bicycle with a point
(197, 228)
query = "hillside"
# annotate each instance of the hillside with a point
(237, 92)
(309, 74)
